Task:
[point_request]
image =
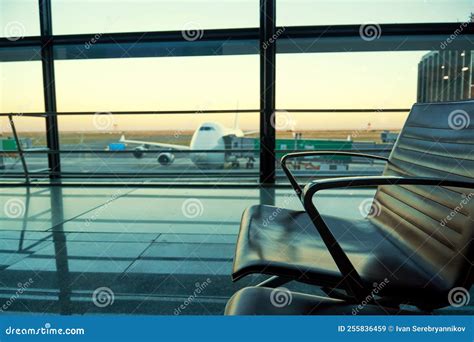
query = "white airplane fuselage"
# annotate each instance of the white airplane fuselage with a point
(211, 136)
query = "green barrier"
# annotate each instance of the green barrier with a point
(291, 145)
(8, 145)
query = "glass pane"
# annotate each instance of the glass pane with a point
(446, 76)
(188, 83)
(378, 87)
(21, 91)
(343, 12)
(21, 87)
(190, 16)
(173, 147)
(347, 80)
(19, 18)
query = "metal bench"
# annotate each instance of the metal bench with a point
(418, 241)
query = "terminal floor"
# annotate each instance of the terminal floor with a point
(142, 250)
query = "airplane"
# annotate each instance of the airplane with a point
(208, 136)
(213, 136)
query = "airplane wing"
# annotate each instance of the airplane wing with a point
(251, 132)
(157, 144)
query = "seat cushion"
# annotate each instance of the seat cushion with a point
(280, 301)
(284, 242)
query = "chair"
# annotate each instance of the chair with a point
(417, 240)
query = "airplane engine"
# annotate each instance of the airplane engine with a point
(165, 158)
(139, 152)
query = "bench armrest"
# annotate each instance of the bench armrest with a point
(292, 178)
(351, 277)
(351, 182)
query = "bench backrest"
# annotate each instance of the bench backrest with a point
(436, 224)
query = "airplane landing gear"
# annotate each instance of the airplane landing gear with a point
(250, 163)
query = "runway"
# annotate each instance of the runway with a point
(120, 164)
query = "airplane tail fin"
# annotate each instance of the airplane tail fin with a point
(122, 138)
(236, 118)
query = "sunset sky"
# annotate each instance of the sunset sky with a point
(329, 80)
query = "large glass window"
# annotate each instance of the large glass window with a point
(161, 143)
(189, 16)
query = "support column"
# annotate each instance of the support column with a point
(47, 60)
(267, 91)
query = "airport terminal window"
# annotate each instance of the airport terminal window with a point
(343, 81)
(19, 18)
(343, 12)
(103, 78)
(189, 16)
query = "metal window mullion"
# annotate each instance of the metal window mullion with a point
(47, 61)
(267, 91)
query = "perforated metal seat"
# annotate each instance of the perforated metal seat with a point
(420, 242)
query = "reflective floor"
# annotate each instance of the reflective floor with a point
(76, 250)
